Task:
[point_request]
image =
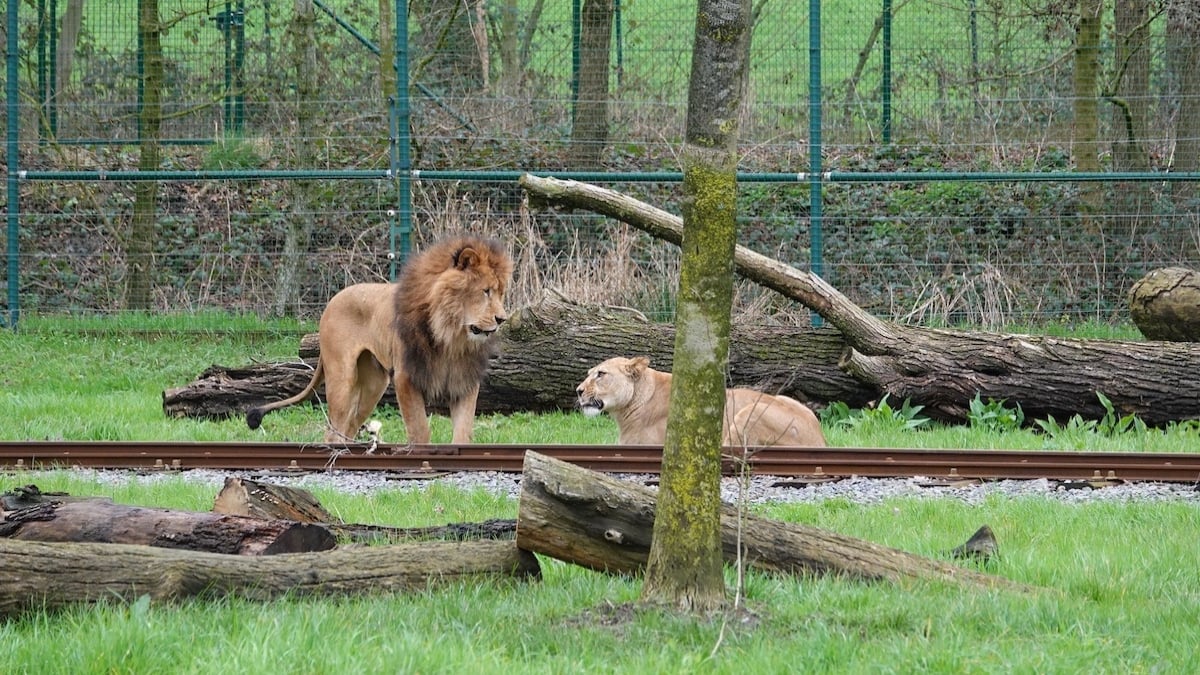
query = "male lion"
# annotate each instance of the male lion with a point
(429, 332)
(637, 396)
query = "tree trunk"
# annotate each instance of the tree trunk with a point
(387, 50)
(945, 369)
(589, 132)
(1131, 114)
(139, 247)
(289, 275)
(102, 521)
(603, 523)
(68, 41)
(39, 575)
(684, 568)
(1085, 126)
(445, 41)
(1183, 49)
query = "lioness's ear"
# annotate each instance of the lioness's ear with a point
(636, 366)
(466, 257)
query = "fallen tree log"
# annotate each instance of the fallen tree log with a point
(606, 524)
(546, 349)
(102, 521)
(944, 370)
(246, 497)
(36, 575)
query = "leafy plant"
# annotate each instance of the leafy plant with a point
(1110, 425)
(1114, 424)
(994, 415)
(880, 418)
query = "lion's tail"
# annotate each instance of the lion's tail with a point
(254, 416)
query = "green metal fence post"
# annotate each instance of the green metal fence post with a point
(401, 231)
(12, 136)
(816, 255)
(576, 28)
(886, 85)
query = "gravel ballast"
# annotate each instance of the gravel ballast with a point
(759, 489)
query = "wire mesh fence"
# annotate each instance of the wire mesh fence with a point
(997, 100)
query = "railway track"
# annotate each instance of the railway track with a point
(784, 462)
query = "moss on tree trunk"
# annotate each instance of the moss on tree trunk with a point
(685, 564)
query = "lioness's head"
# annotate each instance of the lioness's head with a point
(611, 385)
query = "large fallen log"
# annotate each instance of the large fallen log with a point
(35, 575)
(606, 524)
(102, 521)
(945, 369)
(546, 349)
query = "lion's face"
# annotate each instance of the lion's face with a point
(470, 300)
(485, 311)
(611, 385)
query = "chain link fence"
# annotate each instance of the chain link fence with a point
(949, 141)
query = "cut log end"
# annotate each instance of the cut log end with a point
(1165, 305)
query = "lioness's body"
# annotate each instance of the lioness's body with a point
(428, 332)
(638, 398)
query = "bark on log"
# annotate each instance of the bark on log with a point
(1165, 305)
(246, 497)
(102, 521)
(602, 523)
(35, 575)
(945, 369)
(220, 392)
(546, 349)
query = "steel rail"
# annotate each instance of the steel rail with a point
(781, 461)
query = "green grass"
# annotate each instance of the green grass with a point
(1120, 595)
(1122, 592)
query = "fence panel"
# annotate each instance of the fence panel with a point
(964, 88)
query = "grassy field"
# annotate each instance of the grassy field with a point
(1121, 587)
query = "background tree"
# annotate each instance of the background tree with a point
(1183, 49)
(139, 247)
(387, 49)
(297, 239)
(446, 36)
(685, 564)
(513, 39)
(1129, 93)
(589, 133)
(1085, 127)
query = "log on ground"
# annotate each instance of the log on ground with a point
(247, 497)
(102, 521)
(944, 370)
(35, 575)
(602, 523)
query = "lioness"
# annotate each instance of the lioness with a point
(429, 332)
(637, 396)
